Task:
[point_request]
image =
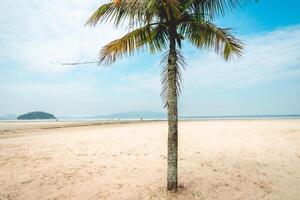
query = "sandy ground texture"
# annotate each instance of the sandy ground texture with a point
(221, 159)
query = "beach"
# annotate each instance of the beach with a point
(218, 159)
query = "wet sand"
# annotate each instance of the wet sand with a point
(218, 159)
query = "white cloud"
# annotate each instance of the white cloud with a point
(146, 81)
(268, 56)
(34, 34)
(37, 34)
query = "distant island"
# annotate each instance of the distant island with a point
(36, 115)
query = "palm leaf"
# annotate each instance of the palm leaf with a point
(211, 8)
(119, 11)
(206, 35)
(147, 37)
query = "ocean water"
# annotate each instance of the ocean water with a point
(241, 117)
(183, 118)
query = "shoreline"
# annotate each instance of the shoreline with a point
(19, 128)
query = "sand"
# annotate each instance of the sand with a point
(218, 159)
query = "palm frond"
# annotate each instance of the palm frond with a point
(117, 2)
(211, 8)
(101, 14)
(172, 8)
(135, 11)
(219, 7)
(147, 37)
(206, 35)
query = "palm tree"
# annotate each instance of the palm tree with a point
(158, 25)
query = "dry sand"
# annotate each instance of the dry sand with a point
(221, 159)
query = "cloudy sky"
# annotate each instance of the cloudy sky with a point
(36, 35)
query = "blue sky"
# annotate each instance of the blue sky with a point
(35, 35)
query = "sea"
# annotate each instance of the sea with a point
(181, 118)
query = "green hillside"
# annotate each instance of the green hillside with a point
(36, 115)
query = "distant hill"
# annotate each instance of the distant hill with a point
(36, 115)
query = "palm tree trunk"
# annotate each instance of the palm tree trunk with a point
(172, 118)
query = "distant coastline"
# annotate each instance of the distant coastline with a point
(286, 116)
(181, 118)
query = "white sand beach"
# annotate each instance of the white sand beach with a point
(218, 159)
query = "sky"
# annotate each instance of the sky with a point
(37, 35)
